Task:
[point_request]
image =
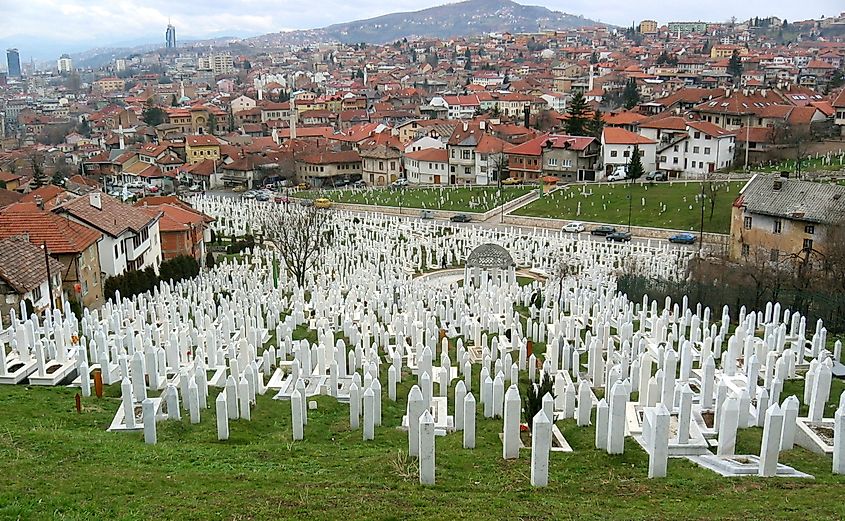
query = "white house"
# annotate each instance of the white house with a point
(458, 107)
(429, 166)
(703, 148)
(131, 238)
(618, 145)
(424, 143)
(242, 103)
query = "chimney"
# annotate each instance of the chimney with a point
(465, 126)
(482, 125)
(39, 202)
(779, 181)
(94, 199)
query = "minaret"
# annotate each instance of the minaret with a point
(120, 133)
(365, 77)
(181, 89)
(260, 93)
(292, 119)
(590, 86)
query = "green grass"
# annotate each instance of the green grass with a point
(62, 465)
(475, 199)
(811, 164)
(609, 204)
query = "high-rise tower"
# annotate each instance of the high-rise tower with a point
(13, 63)
(170, 36)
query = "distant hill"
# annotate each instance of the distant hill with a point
(472, 17)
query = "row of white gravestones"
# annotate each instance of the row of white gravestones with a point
(593, 310)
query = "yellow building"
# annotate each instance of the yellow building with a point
(201, 147)
(648, 27)
(778, 220)
(726, 51)
(109, 85)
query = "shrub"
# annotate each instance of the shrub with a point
(534, 398)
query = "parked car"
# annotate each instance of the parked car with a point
(153, 189)
(262, 196)
(512, 181)
(460, 218)
(426, 214)
(574, 227)
(306, 202)
(682, 238)
(359, 184)
(603, 230)
(239, 189)
(399, 183)
(303, 186)
(195, 188)
(280, 199)
(617, 176)
(322, 202)
(618, 237)
(656, 175)
(249, 195)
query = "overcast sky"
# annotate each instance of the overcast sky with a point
(43, 28)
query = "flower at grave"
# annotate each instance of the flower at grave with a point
(523, 427)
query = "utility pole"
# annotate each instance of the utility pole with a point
(49, 275)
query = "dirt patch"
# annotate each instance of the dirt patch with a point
(709, 417)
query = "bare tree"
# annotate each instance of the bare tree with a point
(301, 234)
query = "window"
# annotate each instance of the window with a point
(116, 252)
(613, 153)
(808, 244)
(626, 153)
(36, 294)
(695, 150)
(567, 163)
(774, 255)
(697, 135)
(745, 250)
(466, 154)
(810, 229)
(706, 150)
(642, 153)
(381, 165)
(746, 223)
(777, 226)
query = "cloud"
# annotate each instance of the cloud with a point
(66, 24)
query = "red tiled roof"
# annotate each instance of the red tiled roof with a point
(620, 136)
(113, 217)
(709, 128)
(439, 155)
(60, 233)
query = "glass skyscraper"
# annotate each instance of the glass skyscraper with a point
(13, 63)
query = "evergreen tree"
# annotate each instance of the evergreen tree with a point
(836, 80)
(576, 122)
(153, 116)
(735, 65)
(631, 95)
(635, 166)
(594, 58)
(596, 125)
